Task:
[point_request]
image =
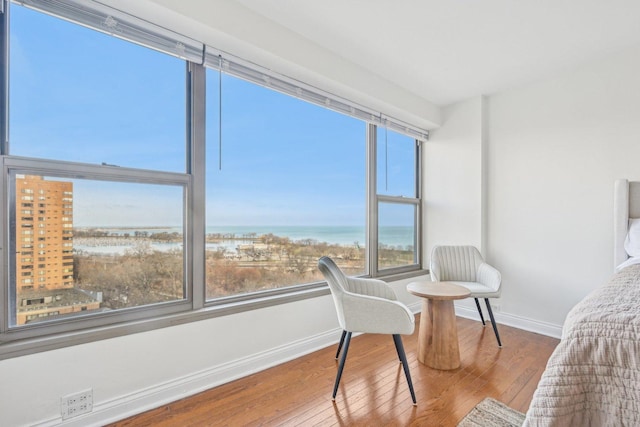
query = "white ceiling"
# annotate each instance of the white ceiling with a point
(448, 50)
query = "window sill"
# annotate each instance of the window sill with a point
(405, 275)
(251, 302)
(10, 349)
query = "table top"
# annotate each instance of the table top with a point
(438, 290)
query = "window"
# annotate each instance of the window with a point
(114, 267)
(143, 216)
(398, 200)
(396, 235)
(396, 166)
(112, 238)
(125, 107)
(286, 186)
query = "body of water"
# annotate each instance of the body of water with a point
(340, 235)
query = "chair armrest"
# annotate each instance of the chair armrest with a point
(376, 315)
(371, 287)
(489, 276)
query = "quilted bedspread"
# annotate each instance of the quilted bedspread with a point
(593, 376)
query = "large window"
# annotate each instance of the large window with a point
(285, 186)
(88, 235)
(142, 186)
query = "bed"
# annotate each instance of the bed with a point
(593, 376)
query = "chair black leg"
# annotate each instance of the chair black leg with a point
(403, 357)
(493, 321)
(344, 333)
(341, 367)
(479, 312)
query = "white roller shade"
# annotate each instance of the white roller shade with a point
(262, 76)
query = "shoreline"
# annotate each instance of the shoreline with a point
(235, 247)
(229, 238)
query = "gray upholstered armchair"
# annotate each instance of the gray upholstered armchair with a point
(463, 265)
(369, 306)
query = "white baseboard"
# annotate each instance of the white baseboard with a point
(537, 326)
(542, 328)
(179, 388)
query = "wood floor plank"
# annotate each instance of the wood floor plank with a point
(373, 389)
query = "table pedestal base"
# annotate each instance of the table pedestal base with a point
(438, 335)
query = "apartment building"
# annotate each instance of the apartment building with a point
(44, 251)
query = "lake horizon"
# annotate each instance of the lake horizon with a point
(338, 235)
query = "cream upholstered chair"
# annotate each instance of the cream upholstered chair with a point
(463, 265)
(369, 306)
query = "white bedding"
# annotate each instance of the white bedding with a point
(627, 263)
(593, 376)
(632, 244)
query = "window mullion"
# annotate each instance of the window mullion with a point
(419, 220)
(4, 126)
(371, 255)
(196, 167)
(397, 199)
(4, 77)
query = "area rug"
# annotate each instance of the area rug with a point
(491, 413)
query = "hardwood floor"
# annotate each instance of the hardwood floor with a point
(373, 390)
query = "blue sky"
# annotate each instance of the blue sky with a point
(79, 95)
(291, 162)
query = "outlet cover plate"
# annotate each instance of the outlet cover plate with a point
(76, 404)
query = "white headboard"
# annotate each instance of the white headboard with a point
(626, 204)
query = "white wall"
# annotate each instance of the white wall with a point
(142, 371)
(549, 151)
(455, 186)
(452, 175)
(553, 150)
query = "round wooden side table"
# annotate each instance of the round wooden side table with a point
(438, 335)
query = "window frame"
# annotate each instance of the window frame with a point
(234, 70)
(45, 336)
(374, 201)
(13, 165)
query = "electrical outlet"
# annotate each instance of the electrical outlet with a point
(496, 307)
(76, 404)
